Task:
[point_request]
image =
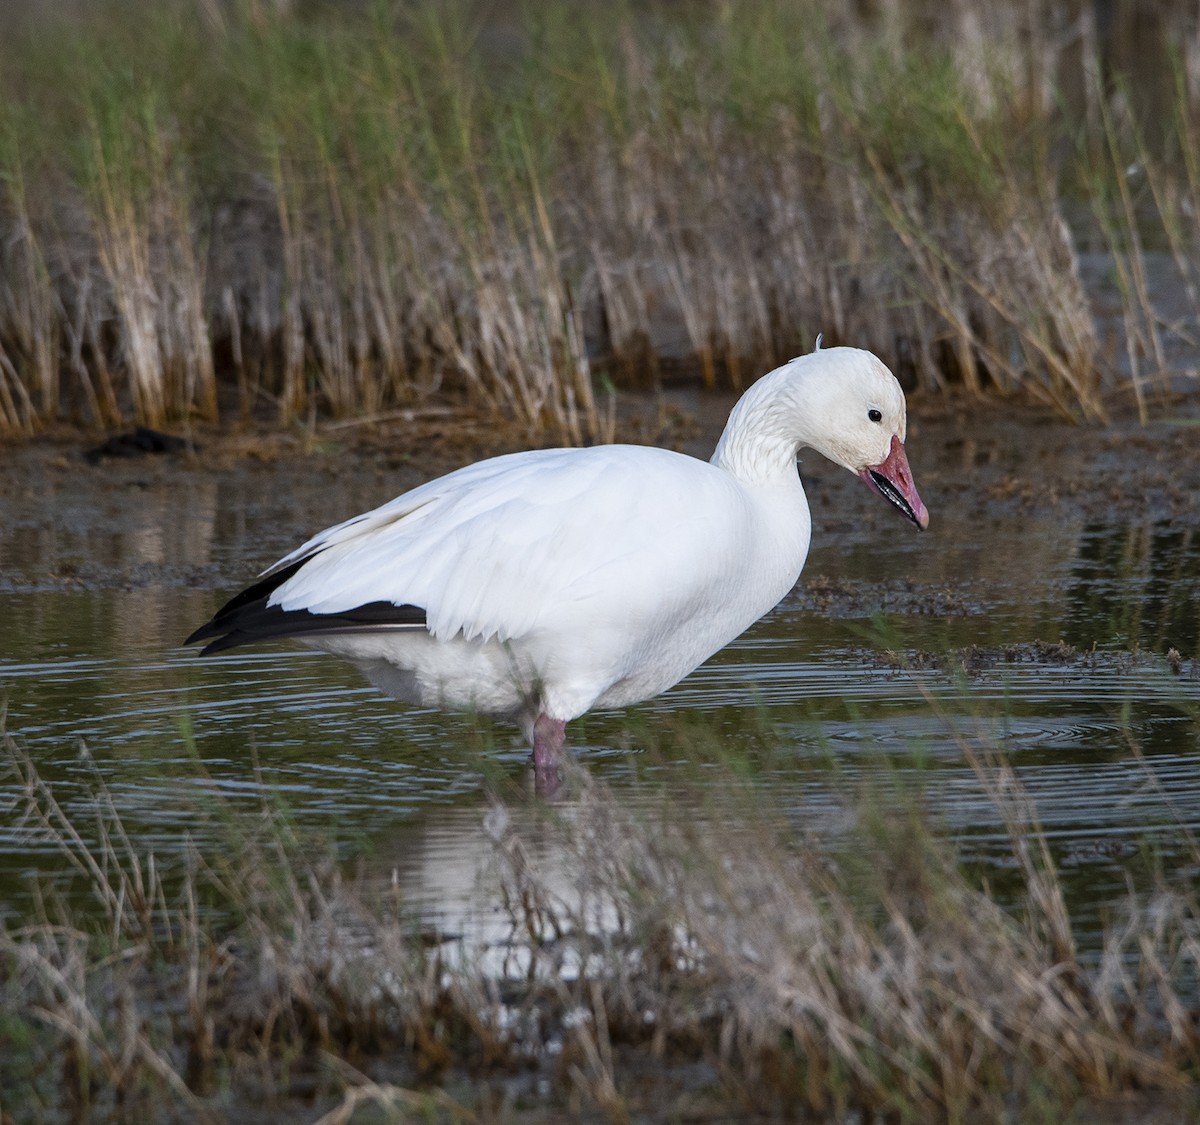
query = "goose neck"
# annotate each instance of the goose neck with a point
(765, 431)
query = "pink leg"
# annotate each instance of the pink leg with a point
(549, 738)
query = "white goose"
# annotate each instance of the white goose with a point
(539, 585)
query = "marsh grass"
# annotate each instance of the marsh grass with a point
(692, 951)
(209, 208)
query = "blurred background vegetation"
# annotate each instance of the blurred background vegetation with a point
(212, 209)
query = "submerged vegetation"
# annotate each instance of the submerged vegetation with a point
(210, 207)
(686, 957)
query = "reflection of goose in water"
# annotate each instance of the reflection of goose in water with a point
(540, 585)
(455, 877)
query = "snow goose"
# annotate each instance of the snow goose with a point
(539, 585)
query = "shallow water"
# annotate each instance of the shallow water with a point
(101, 582)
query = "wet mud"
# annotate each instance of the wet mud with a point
(974, 461)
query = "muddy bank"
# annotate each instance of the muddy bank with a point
(973, 460)
(978, 660)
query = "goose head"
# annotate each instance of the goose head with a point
(842, 402)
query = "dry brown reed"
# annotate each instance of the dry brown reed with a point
(161, 328)
(860, 976)
(864, 986)
(345, 212)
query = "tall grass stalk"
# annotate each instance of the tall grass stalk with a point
(349, 210)
(29, 360)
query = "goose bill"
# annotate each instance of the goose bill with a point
(892, 479)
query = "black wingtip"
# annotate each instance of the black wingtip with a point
(224, 643)
(225, 619)
(205, 630)
(247, 617)
(257, 621)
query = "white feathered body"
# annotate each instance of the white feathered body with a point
(537, 596)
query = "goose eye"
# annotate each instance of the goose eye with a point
(874, 415)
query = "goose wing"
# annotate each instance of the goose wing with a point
(546, 539)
